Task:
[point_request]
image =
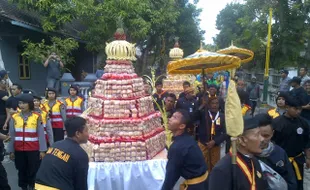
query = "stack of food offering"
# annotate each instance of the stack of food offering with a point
(174, 83)
(123, 124)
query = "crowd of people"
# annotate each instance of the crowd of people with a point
(32, 125)
(280, 138)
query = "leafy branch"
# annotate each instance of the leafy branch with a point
(39, 52)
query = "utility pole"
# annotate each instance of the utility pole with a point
(266, 75)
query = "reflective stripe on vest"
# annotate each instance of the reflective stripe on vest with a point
(26, 135)
(55, 114)
(74, 108)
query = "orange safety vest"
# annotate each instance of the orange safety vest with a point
(26, 135)
(74, 108)
(273, 113)
(55, 114)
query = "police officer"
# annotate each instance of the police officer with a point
(273, 155)
(280, 109)
(74, 103)
(27, 145)
(248, 173)
(57, 114)
(184, 156)
(70, 162)
(291, 132)
(46, 122)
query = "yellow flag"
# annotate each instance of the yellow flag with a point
(233, 113)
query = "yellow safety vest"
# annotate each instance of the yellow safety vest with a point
(74, 108)
(26, 135)
(55, 114)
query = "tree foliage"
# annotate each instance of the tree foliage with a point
(152, 24)
(247, 25)
(39, 52)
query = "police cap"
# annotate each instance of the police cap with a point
(35, 95)
(282, 95)
(51, 89)
(27, 98)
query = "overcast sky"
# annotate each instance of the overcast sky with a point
(211, 9)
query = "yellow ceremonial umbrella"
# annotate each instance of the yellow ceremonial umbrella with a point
(202, 61)
(244, 54)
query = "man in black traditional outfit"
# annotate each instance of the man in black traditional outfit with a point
(273, 155)
(184, 157)
(247, 174)
(291, 132)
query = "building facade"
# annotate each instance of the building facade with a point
(16, 26)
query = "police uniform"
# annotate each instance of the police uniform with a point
(292, 134)
(185, 159)
(57, 114)
(74, 104)
(27, 141)
(245, 175)
(69, 169)
(244, 100)
(276, 112)
(277, 159)
(46, 122)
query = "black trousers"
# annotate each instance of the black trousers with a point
(4, 184)
(27, 163)
(59, 134)
(2, 150)
(253, 107)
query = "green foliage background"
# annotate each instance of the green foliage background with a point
(151, 24)
(247, 24)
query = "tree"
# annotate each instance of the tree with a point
(39, 52)
(248, 28)
(152, 24)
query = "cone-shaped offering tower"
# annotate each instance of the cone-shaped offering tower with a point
(123, 124)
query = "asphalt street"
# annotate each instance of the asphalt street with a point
(12, 173)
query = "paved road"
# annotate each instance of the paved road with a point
(12, 173)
